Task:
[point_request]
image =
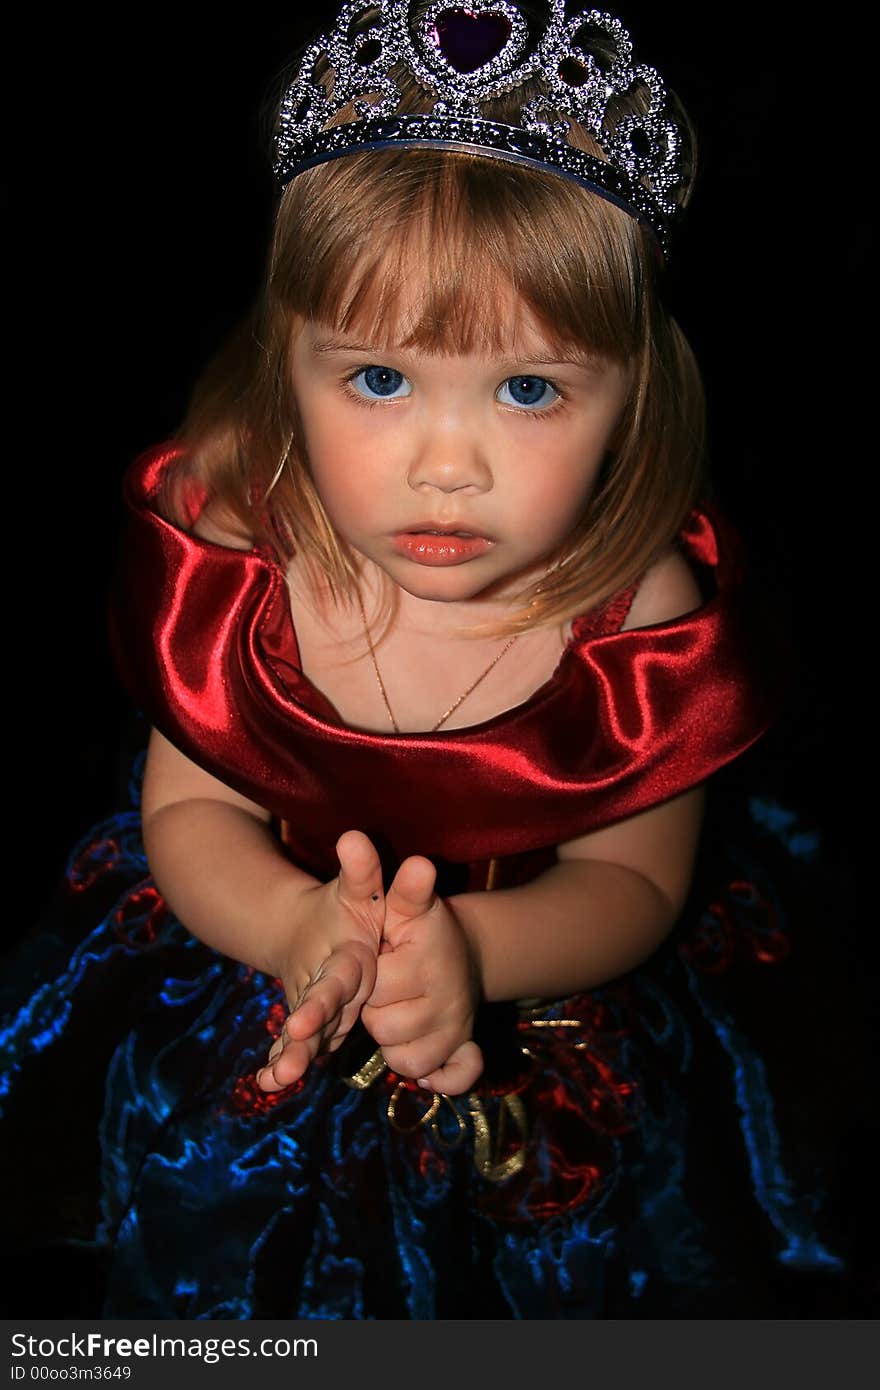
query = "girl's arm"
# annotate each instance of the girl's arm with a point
(221, 870)
(604, 908)
(216, 861)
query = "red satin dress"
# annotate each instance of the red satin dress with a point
(628, 718)
(622, 1154)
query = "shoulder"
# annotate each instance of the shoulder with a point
(667, 590)
(217, 525)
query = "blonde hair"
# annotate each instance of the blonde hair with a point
(407, 246)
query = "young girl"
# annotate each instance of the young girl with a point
(440, 641)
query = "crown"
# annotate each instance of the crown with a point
(465, 54)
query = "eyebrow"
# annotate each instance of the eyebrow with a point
(576, 357)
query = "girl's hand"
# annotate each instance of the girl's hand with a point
(331, 968)
(421, 1011)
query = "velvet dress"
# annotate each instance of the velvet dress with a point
(626, 1151)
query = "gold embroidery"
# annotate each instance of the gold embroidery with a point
(555, 1023)
(456, 1139)
(489, 1159)
(579, 1046)
(368, 1073)
(429, 1118)
(423, 1120)
(487, 1156)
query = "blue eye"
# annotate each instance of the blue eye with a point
(529, 391)
(384, 382)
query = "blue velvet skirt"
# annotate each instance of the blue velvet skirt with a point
(660, 1147)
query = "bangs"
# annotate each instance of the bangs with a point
(442, 251)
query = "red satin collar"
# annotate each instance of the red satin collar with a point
(204, 642)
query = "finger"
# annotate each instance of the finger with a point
(420, 1056)
(299, 1049)
(314, 1015)
(397, 1023)
(289, 1058)
(322, 1002)
(292, 1063)
(347, 978)
(458, 1074)
(412, 892)
(326, 1039)
(286, 1063)
(398, 977)
(360, 871)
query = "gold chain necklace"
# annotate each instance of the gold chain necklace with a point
(453, 707)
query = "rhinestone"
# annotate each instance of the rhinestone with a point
(524, 144)
(386, 130)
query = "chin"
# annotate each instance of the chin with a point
(442, 588)
(460, 583)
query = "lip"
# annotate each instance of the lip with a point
(441, 549)
(443, 528)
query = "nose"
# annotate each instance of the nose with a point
(450, 458)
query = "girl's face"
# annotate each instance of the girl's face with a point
(503, 449)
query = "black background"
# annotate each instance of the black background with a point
(140, 206)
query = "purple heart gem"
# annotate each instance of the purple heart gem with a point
(469, 41)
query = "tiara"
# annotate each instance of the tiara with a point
(467, 53)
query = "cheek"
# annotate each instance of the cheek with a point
(334, 459)
(556, 495)
(352, 493)
(322, 436)
(341, 492)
